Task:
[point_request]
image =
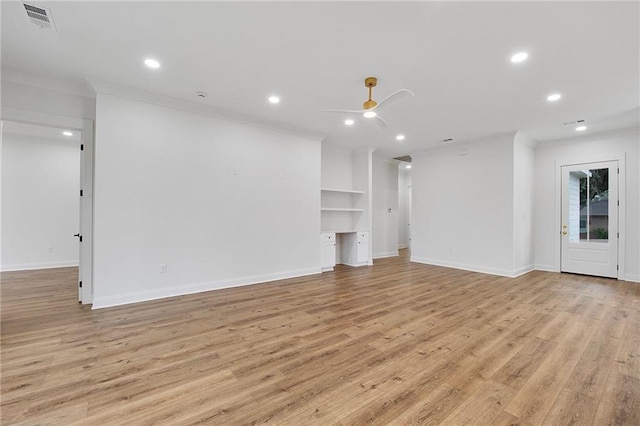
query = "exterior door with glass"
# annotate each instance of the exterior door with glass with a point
(590, 219)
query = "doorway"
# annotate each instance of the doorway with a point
(47, 207)
(590, 234)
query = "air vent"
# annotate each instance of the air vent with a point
(39, 16)
(572, 123)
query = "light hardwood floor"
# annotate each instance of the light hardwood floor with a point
(396, 343)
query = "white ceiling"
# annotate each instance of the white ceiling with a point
(315, 55)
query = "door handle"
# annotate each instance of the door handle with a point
(76, 235)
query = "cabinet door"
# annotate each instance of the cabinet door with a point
(328, 255)
(328, 247)
(362, 254)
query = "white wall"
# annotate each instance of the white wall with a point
(385, 208)
(40, 202)
(218, 202)
(550, 156)
(523, 187)
(337, 168)
(463, 207)
(404, 208)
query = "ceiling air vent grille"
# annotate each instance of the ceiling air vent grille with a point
(39, 16)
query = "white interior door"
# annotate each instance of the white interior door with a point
(85, 270)
(590, 219)
(408, 221)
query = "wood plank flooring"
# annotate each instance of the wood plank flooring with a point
(396, 343)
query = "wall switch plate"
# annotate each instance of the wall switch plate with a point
(163, 268)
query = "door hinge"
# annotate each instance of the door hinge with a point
(81, 147)
(618, 203)
(617, 267)
(618, 234)
(81, 193)
(618, 170)
(80, 284)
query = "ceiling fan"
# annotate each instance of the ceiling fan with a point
(370, 107)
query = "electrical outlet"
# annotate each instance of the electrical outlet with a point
(163, 268)
(50, 250)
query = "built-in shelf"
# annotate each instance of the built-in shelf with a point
(329, 209)
(346, 191)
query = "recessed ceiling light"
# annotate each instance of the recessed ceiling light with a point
(554, 97)
(519, 57)
(369, 114)
(581, 128)
(67, 133)
(400, 137)
(349, 122)
(408, 166)
(274, 99)
(152, 63)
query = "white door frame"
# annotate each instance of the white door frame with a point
(587, 159)
(85, 295)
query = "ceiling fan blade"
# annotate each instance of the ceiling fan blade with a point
(394, 97)
(381, 123)
(343, 111)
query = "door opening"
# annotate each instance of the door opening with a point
(48, 197)
(589, 234)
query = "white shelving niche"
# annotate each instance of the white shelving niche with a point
(340, 209)
(345, 206)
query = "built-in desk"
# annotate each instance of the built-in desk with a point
(347, 247)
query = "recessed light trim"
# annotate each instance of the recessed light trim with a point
(67, 133)
(408, 166)
(519, 57)
(274, 99)
(369, 114)
(152, 63)
(581, 128)
(554, 97)
(400, 137)
(349, 122)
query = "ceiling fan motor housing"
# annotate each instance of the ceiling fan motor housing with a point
(369, 104)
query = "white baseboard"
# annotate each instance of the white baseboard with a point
(41, 265)
(522, 271)
(402, 246)
(632, 277)
(143, 296)
(474, 268)
(354, 265)
(386, 254)
(546, 268)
